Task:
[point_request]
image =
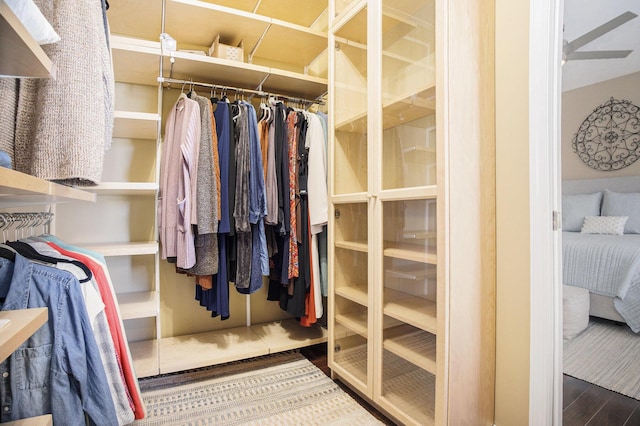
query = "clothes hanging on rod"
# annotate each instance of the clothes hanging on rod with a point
(84, 331)
(264, 196)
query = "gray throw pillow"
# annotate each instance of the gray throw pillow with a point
(576, 207)
(623, 204)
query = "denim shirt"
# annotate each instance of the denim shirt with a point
(58, 370)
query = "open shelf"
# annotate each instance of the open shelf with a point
(125, 188)
(144, 54)
(417, 311)
(216, 347)
(20, 56)
(135, 125)
(138, 305)
(123, 249)
(23, 323)
(17, 188)
(145, 357)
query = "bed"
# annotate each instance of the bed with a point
(601, 244)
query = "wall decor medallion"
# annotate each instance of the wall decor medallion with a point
(609, 138)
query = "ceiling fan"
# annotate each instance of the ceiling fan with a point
(569, 49)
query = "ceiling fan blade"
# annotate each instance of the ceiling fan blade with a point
(600, 54)
(598, 32)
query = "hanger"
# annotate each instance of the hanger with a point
(31, 253)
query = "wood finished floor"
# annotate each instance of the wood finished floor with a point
(588, 404)
(317, 354)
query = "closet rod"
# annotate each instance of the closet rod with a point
(240, 90)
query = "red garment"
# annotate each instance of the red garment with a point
(310, 300)
(113, 318)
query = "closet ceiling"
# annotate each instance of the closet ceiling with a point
(581, 17)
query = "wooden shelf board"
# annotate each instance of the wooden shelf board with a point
(180, 353)
(289, 334)
(17, 187)
(353, 245)
(408, 393)
(189, 66)
(136, 18)
(135, 61)
(351, 363)
(24, 322)
(417, 311)
(358, 197)
(415, 346)
(429, 192)
(21, 56)
(203, 349)
(410, 273)
(123, 249)
(235, 25)
(354, 321)
(355, 293)
(139, 305)
(125, 188)
(145, 357)
(412, 252)
(44, 420)
(135, 125)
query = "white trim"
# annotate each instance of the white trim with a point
(545, 373)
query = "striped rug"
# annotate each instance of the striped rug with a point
(281, 389)
(605, 354)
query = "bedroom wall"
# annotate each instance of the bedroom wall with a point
(576, 105)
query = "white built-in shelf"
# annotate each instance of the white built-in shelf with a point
(355, 293)
(145, 357)
(216, 347)
(138, 305)
(125, 188)
(135, 61)
(429, 192)
(353, 245)
(415, 346)
(23, 323)
(135, 125)
(417, 311)
(123, 249)
(18, 188)
(20, 55)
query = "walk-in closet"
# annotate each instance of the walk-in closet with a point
(272, 175)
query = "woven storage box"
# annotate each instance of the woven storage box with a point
(226, 51)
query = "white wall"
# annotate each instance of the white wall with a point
(577, 104)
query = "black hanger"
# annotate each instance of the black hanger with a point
(31, 253)
(7, 254)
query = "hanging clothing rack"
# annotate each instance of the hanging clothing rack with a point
(24, 223)
(260, 93)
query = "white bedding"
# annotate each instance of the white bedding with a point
(608, 265)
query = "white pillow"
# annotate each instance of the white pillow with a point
(576, 207)
(623, 204)
(613, 225)
(33, 20)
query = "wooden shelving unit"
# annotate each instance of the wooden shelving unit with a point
(23, 323)
(285, 44)
(20, 55)
(17, 188)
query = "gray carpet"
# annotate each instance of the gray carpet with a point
(282, 389)
(605, 354)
